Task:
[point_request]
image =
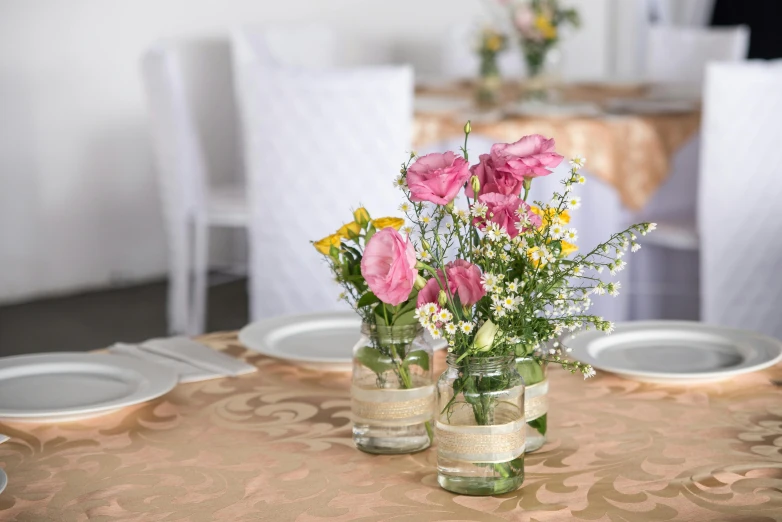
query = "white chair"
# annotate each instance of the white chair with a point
(693, 13)
(740, 220)
(317, 144)
(189, 87)
(679, 54)
(664, 277)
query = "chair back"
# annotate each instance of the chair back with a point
(318, 143)
(740, 220)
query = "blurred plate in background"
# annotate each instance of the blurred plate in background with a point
(675, 351)
(322, 341)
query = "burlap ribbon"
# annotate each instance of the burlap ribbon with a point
(392, 407)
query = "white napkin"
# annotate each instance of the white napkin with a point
(193, 361)
(3, 438)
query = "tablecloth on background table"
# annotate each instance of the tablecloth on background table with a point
(276, 445)
(631, 152)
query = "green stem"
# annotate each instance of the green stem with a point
(407, 383)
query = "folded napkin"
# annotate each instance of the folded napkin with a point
(192, 360)
(3, 438)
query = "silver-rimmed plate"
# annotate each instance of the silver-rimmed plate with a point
(56, 387)
(321, 341)
(676, 351)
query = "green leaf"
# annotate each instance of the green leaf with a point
(530, 371)
(540, 424)
(367, 299)
(353, 250)
(374, 360)
(370, 232)
(419, 358)
(405, 318)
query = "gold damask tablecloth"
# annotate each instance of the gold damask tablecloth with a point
(276, 445)
(631, 152)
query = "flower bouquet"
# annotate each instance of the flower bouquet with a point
(392, 393)
(504, 280)
(538, 24)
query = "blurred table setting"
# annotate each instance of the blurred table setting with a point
(403, 227)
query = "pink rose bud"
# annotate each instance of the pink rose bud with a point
(388, 266)
(437, 177)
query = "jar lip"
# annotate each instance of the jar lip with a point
(492, 362)
(367, 328)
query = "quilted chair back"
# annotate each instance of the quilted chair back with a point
(740, 218)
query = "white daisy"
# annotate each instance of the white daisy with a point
(574, 202)
(444, 316)
(498, 310)
(400, 182)
(405, 207)
(450, 329)
(556, 231)
(430, 309)
(479, 210)
(466, 327)
(571, 235)
(578, 162)
(513, 286)
(489, 282)
(613, 288)
(509, 303)
(589, 372)
(581, 180)
(424, 256)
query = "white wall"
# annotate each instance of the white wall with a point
(78, 197)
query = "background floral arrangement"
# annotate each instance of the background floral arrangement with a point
(538, 24)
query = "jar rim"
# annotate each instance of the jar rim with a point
(480, 363)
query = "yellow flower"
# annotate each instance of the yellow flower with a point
(546, 28)
(349, 227)
(361, 216)
(567, 248)
(324, 245)
(493, 42)
(564, 216)
(385, 222)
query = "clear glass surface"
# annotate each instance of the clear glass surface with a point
(392, 394)
(480, 426)
(533, 373)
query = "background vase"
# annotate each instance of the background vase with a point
(480, 426)
(543, 62)
(489, 88)
(392, 392)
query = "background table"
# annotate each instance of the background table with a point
(276, 445)
(630, 152)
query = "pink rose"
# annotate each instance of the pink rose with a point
(388, 266)
(464, 281)
(493, 180)
(502, 210)
(437, 177)
(530, 157)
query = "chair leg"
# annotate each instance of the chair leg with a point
(179, 281)
(200, 282)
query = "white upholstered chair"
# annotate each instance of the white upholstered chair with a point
(318, 143)
(190, 96)
(739, 217)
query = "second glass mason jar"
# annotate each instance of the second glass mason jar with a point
(392, 394)
(480, 426)
(535, 400)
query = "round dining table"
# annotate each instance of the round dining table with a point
(276, 445)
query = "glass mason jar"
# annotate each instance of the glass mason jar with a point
(543, 62)
(534, 374)
(392, 394)
(489, 89)
(480, 426)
